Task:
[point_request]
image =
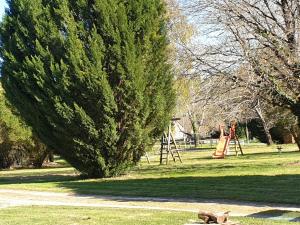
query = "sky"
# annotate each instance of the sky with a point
(2, 8)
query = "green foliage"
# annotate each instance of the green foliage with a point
(241, 131)
(14, 135)
(16, 139)
(90, 77)
(16, 129)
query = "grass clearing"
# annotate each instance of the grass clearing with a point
(262, 175)
(38, 215)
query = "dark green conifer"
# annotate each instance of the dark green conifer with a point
(90, 77)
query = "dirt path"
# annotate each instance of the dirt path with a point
(9, 198)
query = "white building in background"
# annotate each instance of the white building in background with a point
(178, 131)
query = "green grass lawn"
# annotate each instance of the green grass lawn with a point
(262, 175)
(37, 215)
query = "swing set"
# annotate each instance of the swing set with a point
(169, 146)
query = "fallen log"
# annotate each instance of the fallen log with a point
(209, 217)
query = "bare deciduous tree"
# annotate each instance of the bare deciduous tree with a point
(263, 34)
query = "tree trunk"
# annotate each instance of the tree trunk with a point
(194, 127)
(267, 133)
(265, 127)
(295, 130)
(51, 156)
(247, 132)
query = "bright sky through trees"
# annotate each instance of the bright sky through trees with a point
(2, 8)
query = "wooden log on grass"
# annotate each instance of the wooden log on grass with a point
(209, 217)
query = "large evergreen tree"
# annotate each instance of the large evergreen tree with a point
(90, 77)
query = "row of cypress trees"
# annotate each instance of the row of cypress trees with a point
(90, 77)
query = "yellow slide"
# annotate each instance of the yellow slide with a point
(221, 148)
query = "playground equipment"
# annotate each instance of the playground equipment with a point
(224, 141)
(169, 146)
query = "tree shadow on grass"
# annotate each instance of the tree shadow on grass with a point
(270, 153)
(271, 189)
(256, 188)
(189, 170)
(290, 216)
(37, 179)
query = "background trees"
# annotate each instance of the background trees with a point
(91, 78)
(14, 136)
(259, 37)
(263, 34)
(18, 147)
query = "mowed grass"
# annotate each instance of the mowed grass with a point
(262, 175)
(41, 215)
